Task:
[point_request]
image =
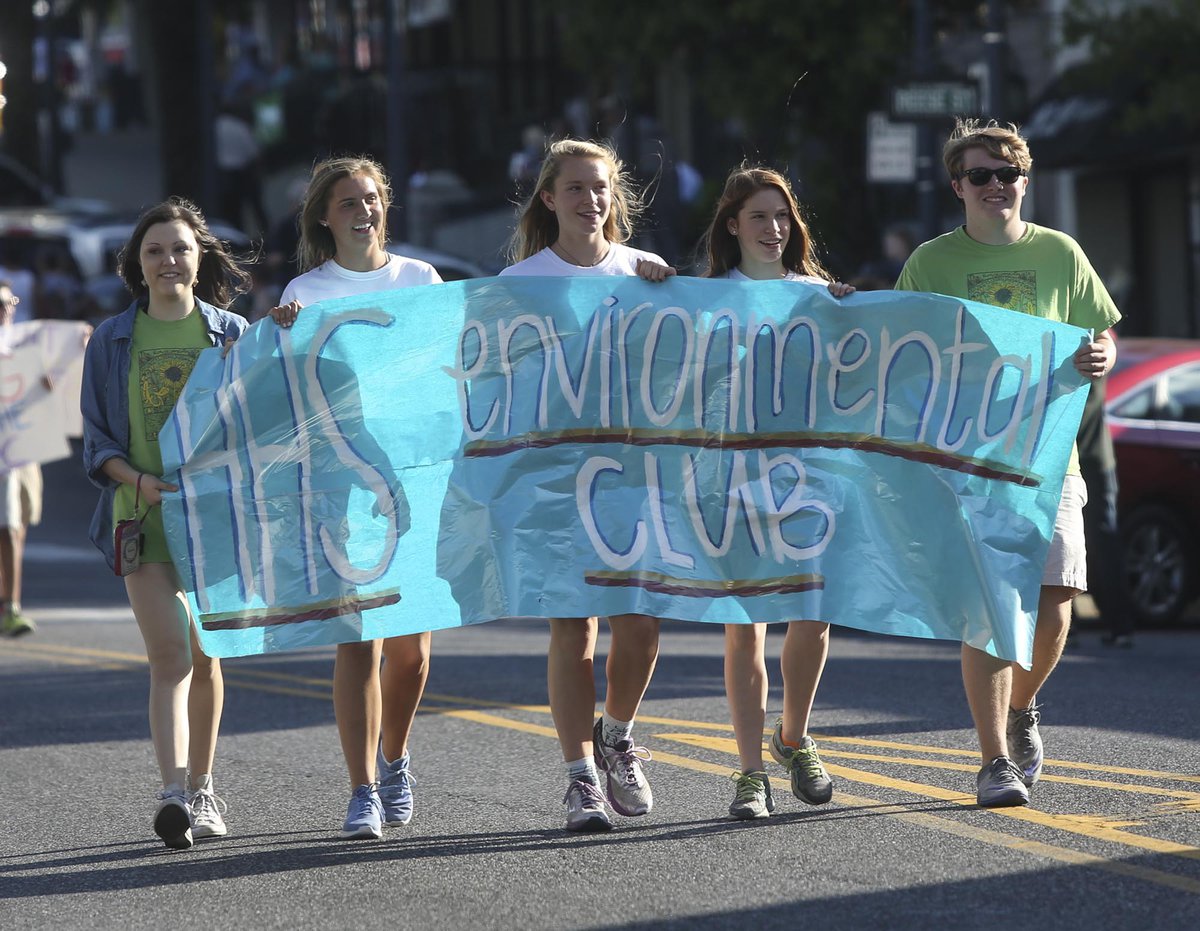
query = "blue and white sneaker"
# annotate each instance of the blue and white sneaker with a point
(395, 789)
(364, 817)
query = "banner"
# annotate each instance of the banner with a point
(41, 372)
(705, 450)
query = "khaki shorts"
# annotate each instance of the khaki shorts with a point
(21, 496)
(1066, 563)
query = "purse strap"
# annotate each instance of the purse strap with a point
(137, 494)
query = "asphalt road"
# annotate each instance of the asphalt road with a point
(1112, 839)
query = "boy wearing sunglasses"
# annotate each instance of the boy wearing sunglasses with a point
(998, 258)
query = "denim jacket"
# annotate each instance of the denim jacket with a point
(104, 401)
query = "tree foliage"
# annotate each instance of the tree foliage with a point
(798, 80)
(1149, 48)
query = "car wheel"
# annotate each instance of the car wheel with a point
(1157, 557)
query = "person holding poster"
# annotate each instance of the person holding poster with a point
(343, 231)
(20, 508)
(576, 222)
(998, 258)
(757, 234)
(134, 369)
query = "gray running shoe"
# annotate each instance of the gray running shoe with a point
(585, 807)
(1025, 743)
(752, 797)
(810, 782)
(999, 785)
(624, 782)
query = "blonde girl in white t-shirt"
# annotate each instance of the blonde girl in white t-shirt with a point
(343, 231)
(576, 222)
(757, 234)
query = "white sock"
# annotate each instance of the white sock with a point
(583, 769)
(613, 730)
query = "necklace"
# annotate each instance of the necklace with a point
(560, 248)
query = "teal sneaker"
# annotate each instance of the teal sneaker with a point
(810, 782)
(14, 624)
(752, 797)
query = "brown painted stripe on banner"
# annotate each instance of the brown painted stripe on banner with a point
(317, 612)
(704, 588)
(701, 439)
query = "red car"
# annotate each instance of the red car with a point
(1153, 407)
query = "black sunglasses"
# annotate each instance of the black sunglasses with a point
(981, 176)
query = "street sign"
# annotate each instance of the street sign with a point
(891, 150)
(935, 100)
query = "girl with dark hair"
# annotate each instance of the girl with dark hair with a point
(757, 234)
(134, 370)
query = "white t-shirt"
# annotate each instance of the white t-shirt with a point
(235, 144)
(735, 275)
(621, 260)
(329, 280)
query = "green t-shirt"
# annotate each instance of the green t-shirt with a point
(1043, 273)
(162, 356)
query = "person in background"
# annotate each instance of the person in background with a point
(20, 509)
(135, 367)
(1098, 466)
(22, 283)
(238, 169)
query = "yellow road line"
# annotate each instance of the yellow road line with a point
(1070, 823)
(235, 672)
(921, 819)
(45, 654)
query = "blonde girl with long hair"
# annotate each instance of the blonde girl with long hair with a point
(576, 222)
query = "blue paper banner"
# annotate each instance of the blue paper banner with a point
(706, 450)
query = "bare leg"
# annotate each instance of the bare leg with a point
(12, 552)
(162, 618)
(402, 683)
(206, 700)
(570, 680)
(988, 683)
(746, 690)
(805, 649)
(356, 705)
(630, 665)
(1049, 637)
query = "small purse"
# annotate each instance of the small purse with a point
(128, 538)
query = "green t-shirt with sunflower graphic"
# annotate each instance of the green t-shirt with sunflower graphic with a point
(161, 359)
(1044, 273)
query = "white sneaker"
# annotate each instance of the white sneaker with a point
(621, 768)
(173, 820)
(207, 809)
(585, 807)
